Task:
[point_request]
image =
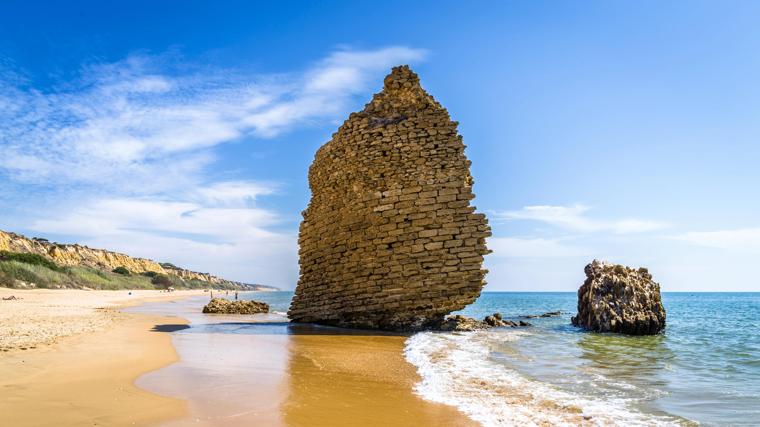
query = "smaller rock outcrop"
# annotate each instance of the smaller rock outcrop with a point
(547, 314)
(223, 306)
(616, 298)
(459, 323)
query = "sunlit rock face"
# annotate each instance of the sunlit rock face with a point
(389, 239)
(615, 298)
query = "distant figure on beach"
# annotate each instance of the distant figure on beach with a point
(236, 296)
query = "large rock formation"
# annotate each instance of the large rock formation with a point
(389, 239)
(615, 298)
(83, 256)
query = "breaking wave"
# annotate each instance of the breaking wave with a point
(459, 369)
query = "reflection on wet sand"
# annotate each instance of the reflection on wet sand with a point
(227, 379)
(348, 380)
(266, 371)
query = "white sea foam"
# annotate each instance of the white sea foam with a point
(457, 370)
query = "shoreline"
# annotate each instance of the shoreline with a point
(262, 370)
(101, 374)
(41, 317)
(72, 357)
(88, 379)
(345, 380)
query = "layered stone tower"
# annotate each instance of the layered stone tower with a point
(389, 239)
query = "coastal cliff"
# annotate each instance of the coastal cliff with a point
(74, 255)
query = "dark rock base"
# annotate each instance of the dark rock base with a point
(615, 298)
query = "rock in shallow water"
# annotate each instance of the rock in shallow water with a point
(615, 298)
(223, 306)
(459, 323)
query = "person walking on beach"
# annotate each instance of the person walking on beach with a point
(236, 296)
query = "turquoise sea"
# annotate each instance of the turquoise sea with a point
(705, 367)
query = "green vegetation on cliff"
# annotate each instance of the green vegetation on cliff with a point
(24, 270)
(27, 258)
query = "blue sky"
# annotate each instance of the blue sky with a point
(183, 131)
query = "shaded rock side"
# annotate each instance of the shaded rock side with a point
(223, 306)
(615, 298)
(389, 239)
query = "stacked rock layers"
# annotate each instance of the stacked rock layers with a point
(389, 239)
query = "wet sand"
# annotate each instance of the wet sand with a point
(220, 371)
(87, 379)
(297, 380)
(261, 370)
(339, 380)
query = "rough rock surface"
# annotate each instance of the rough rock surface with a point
(223, 306)
(389, 239)
(616, 298)
(459, 323)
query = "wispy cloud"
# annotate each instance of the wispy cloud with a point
(574, 218)
(743, 239)
(132, 117)
(216, 228)
(129, 144)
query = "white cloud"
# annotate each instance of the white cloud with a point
(573, 218)
(200, 233)
(126, 120)
(520, 247)
(236, 193)
(743, 239)
(120, 155)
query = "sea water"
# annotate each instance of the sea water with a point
(704, 369)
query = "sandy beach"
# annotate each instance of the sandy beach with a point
(39, 317)
(71, 357)
(89, 363)
(261, 370)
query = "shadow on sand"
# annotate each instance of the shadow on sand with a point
(270, 328)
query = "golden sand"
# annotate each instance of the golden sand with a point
(268, 379)
(343, 380)
(70, 358)
(42, 316)
(292, 376)
(87, 379)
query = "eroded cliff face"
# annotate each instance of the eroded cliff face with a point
(78, 255)
(389, 239)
